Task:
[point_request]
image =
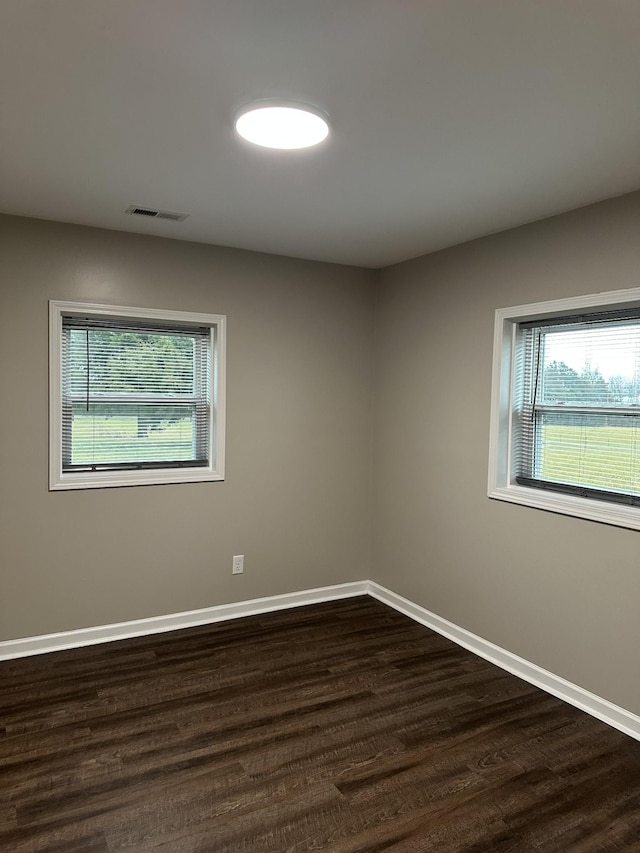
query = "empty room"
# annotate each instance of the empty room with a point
(320, 434)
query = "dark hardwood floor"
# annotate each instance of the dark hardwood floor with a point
(339, 727)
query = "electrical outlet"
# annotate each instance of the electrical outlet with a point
(238, 564)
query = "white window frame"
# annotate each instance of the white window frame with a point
(502, 485)
(214, 470)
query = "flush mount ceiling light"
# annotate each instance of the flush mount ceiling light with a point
(286, 126)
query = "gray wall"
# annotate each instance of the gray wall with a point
(296, 500)
(562, 592)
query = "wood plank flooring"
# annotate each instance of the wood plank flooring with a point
(341, 727)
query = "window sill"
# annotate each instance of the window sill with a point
(114, 479)
(593, 510)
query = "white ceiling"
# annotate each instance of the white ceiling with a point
(451, 118)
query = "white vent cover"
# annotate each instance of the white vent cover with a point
(135, 210)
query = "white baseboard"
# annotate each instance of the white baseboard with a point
(613, 715)
(10, 649)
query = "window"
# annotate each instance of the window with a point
(565, 424)
(136, 396)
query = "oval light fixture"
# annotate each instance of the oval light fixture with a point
(285, 126)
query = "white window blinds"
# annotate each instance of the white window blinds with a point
(134, 395)
(577, 406)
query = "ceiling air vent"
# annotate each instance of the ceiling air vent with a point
(156, 214)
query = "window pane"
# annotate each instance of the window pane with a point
(597, 365)
(597, 451)
(133, 395)
(105, 362)
(124, 433)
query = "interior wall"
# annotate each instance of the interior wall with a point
(561, 592)
(296, 499)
